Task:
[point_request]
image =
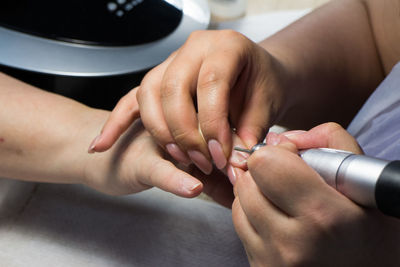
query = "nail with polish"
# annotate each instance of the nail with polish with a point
(93, 144)
(190, 185)
(200, 161)
(272, 139)
(293, 134)
(217, 153)
(231, 174)
(177, 154)
(239, 159)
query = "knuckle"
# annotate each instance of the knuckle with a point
(232, 34)
(260, 159)
(209, 78)
(148, 77)
(154, 173)
(185, 136)
(139, 94)
(170, 88)
(195, 35)
(236, 38)
(212, 81)
(293, 253)
(332, 127)
(158, 133)
(295, 259)
(125, 100)
(211, 124)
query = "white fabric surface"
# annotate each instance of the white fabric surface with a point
(70, 225)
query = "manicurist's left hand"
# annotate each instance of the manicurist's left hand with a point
(286, 215)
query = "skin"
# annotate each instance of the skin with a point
(314, 64)
(286, 215)
(321, 68)
(43, 137)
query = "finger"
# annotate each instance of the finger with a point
(264, 216)
(152, 115)
(329, 135)
(243, 227)
(213, 94)
(238, 160)
(288, 182)
(216, 186)
(262, 102)
(123, 115)
(177, 91)
(254, 120)
(166, 176)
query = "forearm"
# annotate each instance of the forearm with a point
(43, 136)
(331, 62)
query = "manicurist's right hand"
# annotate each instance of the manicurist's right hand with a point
(218, 80)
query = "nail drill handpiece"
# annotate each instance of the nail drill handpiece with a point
(368, 181)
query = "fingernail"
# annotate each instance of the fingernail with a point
(272, 139)
(292, 134)
(231, 174)
(177, 154)
(200, 161)
(217, 153)
(93, 144)
(190, 185)
(239, 159)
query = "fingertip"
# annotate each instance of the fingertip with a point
(102, 142)
(175, 152)
(200, 161)
(217, 153)
(93, 145)
(190, 187)
(232, 174)
(248, 138)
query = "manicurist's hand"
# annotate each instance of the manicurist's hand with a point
(286, 215)
(218, 80)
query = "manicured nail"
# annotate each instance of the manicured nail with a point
(231, 174)
(272, 139)
(200, 161)
(291, 134)
(177, 154)
(190, 185)
(217, 153)
(93, 144)
(239, 159)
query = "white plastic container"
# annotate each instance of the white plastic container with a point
(227, 9)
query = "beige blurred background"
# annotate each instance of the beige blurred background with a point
(261, 6)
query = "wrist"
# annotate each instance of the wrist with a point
(79, 164)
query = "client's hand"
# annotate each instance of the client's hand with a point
(136, 163)
(217, 80)
(286, 215)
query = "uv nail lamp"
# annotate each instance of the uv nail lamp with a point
(94, 38)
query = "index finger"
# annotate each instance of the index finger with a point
(328, 135)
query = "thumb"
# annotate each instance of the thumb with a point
(122, 116)
(327, 135)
